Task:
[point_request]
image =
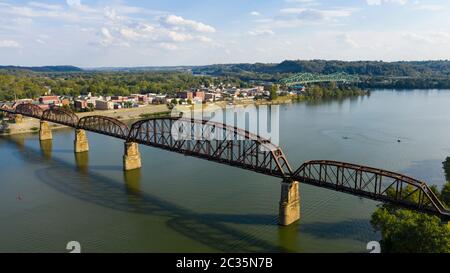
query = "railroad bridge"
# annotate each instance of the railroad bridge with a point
(236, 147)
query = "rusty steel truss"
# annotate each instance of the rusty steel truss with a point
(372, 183)
(212, 141)
(104, 125)
(29, 110)
(236, 147)
(60, 116)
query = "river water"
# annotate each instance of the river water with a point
(49, 196)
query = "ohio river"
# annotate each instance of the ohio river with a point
(49, 196)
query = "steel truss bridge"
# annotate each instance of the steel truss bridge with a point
(306, 78)
(233, 146)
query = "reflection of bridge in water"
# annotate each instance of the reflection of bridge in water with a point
(239, 148)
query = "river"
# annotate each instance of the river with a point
(49, 196)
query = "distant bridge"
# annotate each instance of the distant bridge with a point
(242, 149)
(306, 78)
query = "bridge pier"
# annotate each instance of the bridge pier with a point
(289, 210)
(132, 157)
(81, 142)
(45, 133)
(18, 118)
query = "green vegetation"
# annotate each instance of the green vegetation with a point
(405, 231)
(34, 129)
(154, 115)
(273, 92)
(25, 84)
(374, 74)
(331, 90)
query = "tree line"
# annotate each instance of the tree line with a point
(25, 84)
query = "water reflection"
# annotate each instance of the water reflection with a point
(46, 148)
(82, 162)
(133, 181)
(288, 236)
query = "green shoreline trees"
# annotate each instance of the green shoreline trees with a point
(405, 231)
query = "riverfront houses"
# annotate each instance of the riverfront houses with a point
(202, 94)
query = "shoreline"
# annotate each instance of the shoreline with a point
(31, 125)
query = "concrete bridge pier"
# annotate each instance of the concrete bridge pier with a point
(18, 118)
(45, 132)
(81, 142)
(289, 210)
(132, 157)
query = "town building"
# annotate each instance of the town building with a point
(104, 105)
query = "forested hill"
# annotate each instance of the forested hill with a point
(48, 69)
(367, 68)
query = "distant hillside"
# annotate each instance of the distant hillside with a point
(368, 68)
(141, 69)
(59, 68)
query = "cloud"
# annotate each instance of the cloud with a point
(178, 21)
(45, 6)
(9, 44)
(307, 14)
(434, 37)
(255, 13)
(347, 40)
(434, 8)
(258, 32)
(379, 2)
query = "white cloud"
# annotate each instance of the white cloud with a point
(255, 13)
(308, 14)
(379, 2)
(45, 6)
(179, 37)
(9, 44)
(258, 32)
(421, 7)
(204, 39)
(74, 3)
(347, 40)
(168, 46)
(178, 21)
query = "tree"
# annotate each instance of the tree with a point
(405, 231)
(273, 92)
(445, 194)
(174, 101)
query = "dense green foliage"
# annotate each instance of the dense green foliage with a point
(29, 82)
(368, 68)
(412, 232)
(61, 68)
(374, 74)
(406, 231)
(332, 90)
(29, 85)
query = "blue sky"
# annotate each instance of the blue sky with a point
(92, 33)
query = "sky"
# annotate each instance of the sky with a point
(98, 33)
